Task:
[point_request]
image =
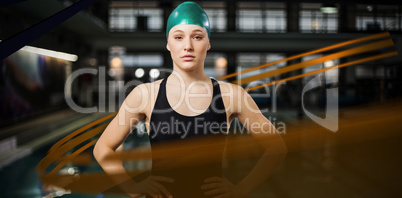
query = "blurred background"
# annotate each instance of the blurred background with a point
(95, 58)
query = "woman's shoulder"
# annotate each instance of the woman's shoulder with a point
(153, 85)
(143, 91)
(227, 87)
(146, 87)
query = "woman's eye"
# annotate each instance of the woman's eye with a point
(198, 37)
(178, 37)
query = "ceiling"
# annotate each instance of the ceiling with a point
(88, 26)
(95, 33)
(82, 23)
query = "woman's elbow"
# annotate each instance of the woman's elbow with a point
(283, 149)
(279, 148)
(97, 151)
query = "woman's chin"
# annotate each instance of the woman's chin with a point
(189, 66)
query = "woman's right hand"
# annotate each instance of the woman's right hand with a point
(151, 186)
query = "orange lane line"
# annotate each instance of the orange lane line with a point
(367, 38)
(75, 153)
(345, 53)
(53, 156)
(143, 155)
(71, 135)
(83, 159)
(385, 55)
(102, 182)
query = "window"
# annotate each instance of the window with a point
(121, 20)
(312, 20)
(261, 17)
(276, 21)
(217, 18)
(129, 16)
(249, 20)
(329, 76)
(135, 60)
(142, 60)
(378, 18)
(215, 64)
(249, 60)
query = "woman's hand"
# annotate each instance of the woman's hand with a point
(151, 186)
(221, 187)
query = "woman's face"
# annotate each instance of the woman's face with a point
(188, 46)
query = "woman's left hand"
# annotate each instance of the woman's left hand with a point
(220, 187)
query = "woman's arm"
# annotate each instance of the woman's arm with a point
(243, 107)
(130, 113)
(266, 135)
(114, 135)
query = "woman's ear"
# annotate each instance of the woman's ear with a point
(167, 46)
(209, 45)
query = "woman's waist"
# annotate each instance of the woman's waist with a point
(193, 172)
(187, 181)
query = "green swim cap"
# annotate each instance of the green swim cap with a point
(188, 13)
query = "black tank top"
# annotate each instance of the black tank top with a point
(203, 135)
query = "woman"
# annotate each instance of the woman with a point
(189, 108)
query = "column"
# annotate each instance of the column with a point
(292, 11)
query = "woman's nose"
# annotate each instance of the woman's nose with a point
(188, 45)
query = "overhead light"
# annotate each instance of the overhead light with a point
(315, 25)
(329, 8)
(221, 62)
(329, 63)
(139, 73)
(92, 61)
(116, 62)
(51, 53)
(154, 73)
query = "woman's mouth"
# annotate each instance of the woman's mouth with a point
(188, 57)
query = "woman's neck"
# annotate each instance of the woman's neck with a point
(189, 77)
